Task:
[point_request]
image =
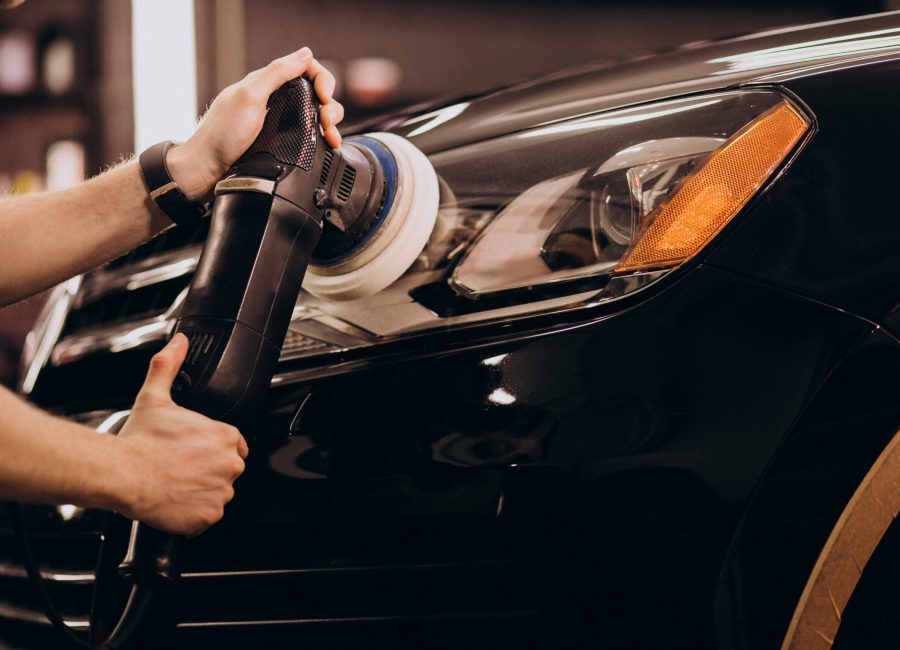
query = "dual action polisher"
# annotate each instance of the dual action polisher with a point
(343, 223)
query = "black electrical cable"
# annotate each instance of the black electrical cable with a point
(135, 609)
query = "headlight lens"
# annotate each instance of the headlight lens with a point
(578, 224)
(573, 213)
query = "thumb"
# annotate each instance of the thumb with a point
(164, 368)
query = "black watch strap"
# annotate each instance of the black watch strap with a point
(163, 190)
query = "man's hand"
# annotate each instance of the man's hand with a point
(77, 229)
(236, 117)
(178, 466)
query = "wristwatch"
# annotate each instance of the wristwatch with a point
(163, 190)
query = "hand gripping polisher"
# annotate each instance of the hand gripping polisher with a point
(344, 223)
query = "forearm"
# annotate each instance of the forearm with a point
(45, 459)
(48, 237)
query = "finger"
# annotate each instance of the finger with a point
(242, 448)
(280, 71)
(237, 469)
(164, 367)
(331, 115)
(323, 81)
(333, 138)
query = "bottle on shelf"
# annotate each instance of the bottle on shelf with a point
(58, 51)
(18, 74)
(65, 164)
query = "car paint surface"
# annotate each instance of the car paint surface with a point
(656, 472)
(772, 56)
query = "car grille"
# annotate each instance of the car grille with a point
(68, 563)
(403, 586)
(66, 543)
(143, 283)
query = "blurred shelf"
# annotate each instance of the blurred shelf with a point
(39, 100)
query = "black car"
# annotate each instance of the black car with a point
(621, 400)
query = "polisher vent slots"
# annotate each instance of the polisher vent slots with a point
(346, 186)
(326, 167)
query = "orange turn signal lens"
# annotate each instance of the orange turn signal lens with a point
(716, 191)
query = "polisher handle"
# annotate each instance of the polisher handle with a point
(291, 127)
(261, 239)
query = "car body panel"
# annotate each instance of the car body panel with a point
(619, 473)
(829, 230)
(778, 54)
(658, 471)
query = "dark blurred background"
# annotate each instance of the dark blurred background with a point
(67, 80)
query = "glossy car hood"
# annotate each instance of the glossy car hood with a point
(774, 55)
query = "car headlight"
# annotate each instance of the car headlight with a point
(573, 213)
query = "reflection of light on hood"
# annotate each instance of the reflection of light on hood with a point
(501, 397)
(436, 118)
(494, 361)
(68, 511)
(618, 119)
(810, 51)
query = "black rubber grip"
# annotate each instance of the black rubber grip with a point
(291, 127)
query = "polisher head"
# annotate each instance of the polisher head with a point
(395, 237)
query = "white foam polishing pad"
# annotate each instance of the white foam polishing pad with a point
(400, 236)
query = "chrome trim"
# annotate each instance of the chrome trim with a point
(113, 422)
(329, 570)
(39, 343)
(389, 618)
(146, 272)
(245, 184)
(119, 337)
(17, 572)
(11, 612)
(163, 189)
(91, 419)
